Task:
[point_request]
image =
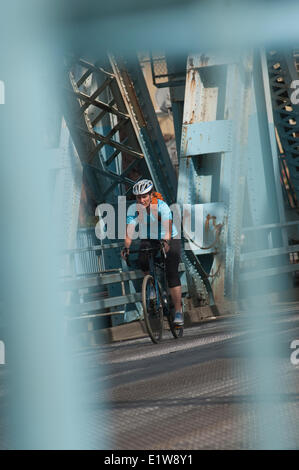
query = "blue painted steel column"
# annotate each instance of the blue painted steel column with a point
(213, 138)
(237, 108)
(266, 205)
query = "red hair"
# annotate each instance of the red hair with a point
(154, 202)
(155, 197)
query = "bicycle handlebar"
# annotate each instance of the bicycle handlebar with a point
(143, 249)
(148, 250)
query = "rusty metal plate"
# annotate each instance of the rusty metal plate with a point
(207, 137)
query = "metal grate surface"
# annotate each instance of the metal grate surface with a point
(194, 393)
(197, 393)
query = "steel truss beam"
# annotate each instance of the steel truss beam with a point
(282, 72)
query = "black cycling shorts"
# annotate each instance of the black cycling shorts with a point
(172, 260)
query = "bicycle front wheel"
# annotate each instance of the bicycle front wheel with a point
(152, 309)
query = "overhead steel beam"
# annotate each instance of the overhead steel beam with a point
(139, 106)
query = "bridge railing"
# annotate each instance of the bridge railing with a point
(88, 292)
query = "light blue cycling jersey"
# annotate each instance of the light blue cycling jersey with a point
(152, 228)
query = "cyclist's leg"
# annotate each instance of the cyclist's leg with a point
(172, 263)
(173, 278)
(176, 297)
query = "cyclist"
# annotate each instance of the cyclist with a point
(155, 223)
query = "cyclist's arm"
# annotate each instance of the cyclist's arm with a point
(167, 225)
(131, 224)
(166, 220)
(128, 240)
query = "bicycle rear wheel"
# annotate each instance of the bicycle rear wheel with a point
(153, 313)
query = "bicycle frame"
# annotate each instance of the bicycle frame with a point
(153, 272)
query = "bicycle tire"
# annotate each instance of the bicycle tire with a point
(153, 315)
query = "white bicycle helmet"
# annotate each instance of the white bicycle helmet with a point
(142, 187)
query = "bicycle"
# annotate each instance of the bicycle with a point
(155, 299)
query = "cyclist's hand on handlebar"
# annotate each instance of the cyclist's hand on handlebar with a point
(125, 253)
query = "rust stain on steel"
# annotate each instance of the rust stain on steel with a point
(192, 117)
(207, 223)
(192, 84)
(191, 79)
(132, 97)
